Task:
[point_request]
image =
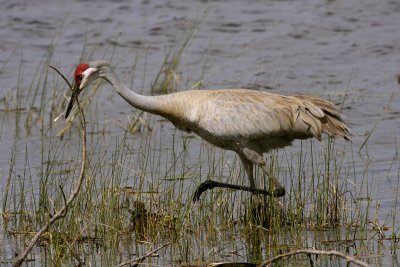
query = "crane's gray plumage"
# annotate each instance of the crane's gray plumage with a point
(246, 121)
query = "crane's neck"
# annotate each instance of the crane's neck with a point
(152, 104)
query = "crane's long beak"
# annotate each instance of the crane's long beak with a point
(74, 97)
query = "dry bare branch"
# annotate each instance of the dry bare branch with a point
(140, 259)
(317, 252)
(63, 211)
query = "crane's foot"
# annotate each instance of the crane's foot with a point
(208, 184)
(279, 192)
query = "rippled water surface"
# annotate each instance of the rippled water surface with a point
(346, 51)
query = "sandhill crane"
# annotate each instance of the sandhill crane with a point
(248, 122)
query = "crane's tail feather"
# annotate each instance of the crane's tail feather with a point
(331, 122)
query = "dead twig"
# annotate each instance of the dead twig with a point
(140, 259)
(67, 202)
(62, 76)
(317, 252)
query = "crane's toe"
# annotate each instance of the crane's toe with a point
(279, 192)
(206, 185)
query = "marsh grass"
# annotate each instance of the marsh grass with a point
(140, 181)
(168, 78)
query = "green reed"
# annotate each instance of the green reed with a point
(140, 180)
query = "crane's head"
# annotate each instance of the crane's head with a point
(84, 74)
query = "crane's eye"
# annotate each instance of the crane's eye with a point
(79, 78)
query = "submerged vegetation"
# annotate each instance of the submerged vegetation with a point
(135, 203)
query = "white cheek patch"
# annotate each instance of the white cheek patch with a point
(88, 77)
(89, 72)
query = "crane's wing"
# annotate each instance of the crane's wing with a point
(252, 115)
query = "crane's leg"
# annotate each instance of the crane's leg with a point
(254, 157)
(248, 157)
(248, 167)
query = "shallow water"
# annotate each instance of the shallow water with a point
(336, 49)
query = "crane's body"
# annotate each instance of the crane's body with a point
(248, 122)
(236, 118)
